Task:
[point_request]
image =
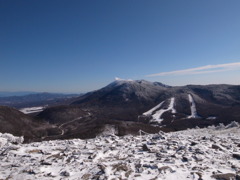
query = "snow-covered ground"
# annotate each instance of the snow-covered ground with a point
(210, 153)
(32, 109)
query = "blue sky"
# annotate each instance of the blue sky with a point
(79, 46)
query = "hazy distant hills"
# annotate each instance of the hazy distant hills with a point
(36, 99)
(15, 93)
(133, 105)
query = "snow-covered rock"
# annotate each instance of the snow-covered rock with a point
(6, 138)
(209, 153)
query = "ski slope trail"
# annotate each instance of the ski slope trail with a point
(158, 114)
(192, 107)
(153, 109)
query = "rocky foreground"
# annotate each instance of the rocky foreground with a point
(210, 153)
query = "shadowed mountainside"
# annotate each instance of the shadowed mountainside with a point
(15, 122)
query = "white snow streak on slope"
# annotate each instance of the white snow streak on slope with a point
(193, 107)
(153, 109)
(158, 114)
(212, 118)
(31, 110)
(171, 106)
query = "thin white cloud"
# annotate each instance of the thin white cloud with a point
(201, 70)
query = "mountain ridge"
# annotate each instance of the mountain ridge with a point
(133, 105)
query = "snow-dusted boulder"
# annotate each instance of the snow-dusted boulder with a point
(9, 138)
(233, 124)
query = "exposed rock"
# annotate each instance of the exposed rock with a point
(36, 151)
(86, 176)
(199, 151)
(199, 175)
(65, 173)
(29, 171)
(214, 146)
(193, 143)
(185, 159)
(164, 169)
(145, 148)
(150, 166)
(120, 167)
(227, 176)
(43, 162)
(237, 156)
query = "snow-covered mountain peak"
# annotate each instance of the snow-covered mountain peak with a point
(139, 87)
(119, 79)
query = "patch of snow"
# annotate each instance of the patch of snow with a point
(193, 107)
(212, 118)
(171, 105)
(109, 130)
(149, 112)
(30, 110)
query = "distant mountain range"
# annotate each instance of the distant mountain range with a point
(36, 99)
(15, 93)
(150, 106)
